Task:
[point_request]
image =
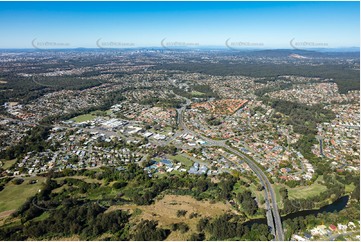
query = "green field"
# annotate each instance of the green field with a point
(184, 160)
(13, 196)
(8, 163)
(197, 94)
(349, 188)
(83, 178)
(307, 191)
(302, 192)
(84, 117)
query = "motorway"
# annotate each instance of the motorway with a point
(273, 216)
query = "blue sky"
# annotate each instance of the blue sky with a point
(270, 24)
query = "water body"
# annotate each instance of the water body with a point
(336, 206)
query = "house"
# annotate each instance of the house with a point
(147, 134)
(298, 238)
(167, 163)
(342, 227)
(193, 170)
(319, 230)
(307, 236)
(159, 137)
(332, 227)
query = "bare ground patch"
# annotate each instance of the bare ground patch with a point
(6, 213)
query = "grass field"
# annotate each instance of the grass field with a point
(301, 192)
(350, 188)
(184, 160)
(104, 191)
(83, 178)
(84, 117)
(278, 196)
(307, 191)
(8, 163)
(13, 196)
(197, 94)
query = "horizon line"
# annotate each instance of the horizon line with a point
(182, 48)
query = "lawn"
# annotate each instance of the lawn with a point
(13, 196)
(197, 94)
(349, 188)
(302, 192)
(307, 191)
(184, 160)
(8, 163)
(84, 117)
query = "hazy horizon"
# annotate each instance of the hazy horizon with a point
(241, 25)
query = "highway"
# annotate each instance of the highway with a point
(273, 216)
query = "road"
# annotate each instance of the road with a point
(320, 140)
(273, 216)
(333, 237)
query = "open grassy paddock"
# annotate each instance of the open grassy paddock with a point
(165, 212)
(182, 159)
(6, 164)
(197, 94)
(301, 192)
(13, 196)
(84, 117)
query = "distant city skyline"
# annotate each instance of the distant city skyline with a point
(234, 25)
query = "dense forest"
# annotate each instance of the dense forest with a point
(27, 89)
(346, 78)
(302, 117)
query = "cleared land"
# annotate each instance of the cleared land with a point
(185, 161)
(301, 192)
(82, 178)
(165, 212)
(197, 94)
(8, 163)
(13, 196)
(84, 117)
(350, 188)
(307, 191)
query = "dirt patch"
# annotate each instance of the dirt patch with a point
(6, 213)
(11, 104)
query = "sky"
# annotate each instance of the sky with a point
(189, 24)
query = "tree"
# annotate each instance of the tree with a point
(148, 230)
(197, 237)
(120, 184)
(284, 193)
(181, 213)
